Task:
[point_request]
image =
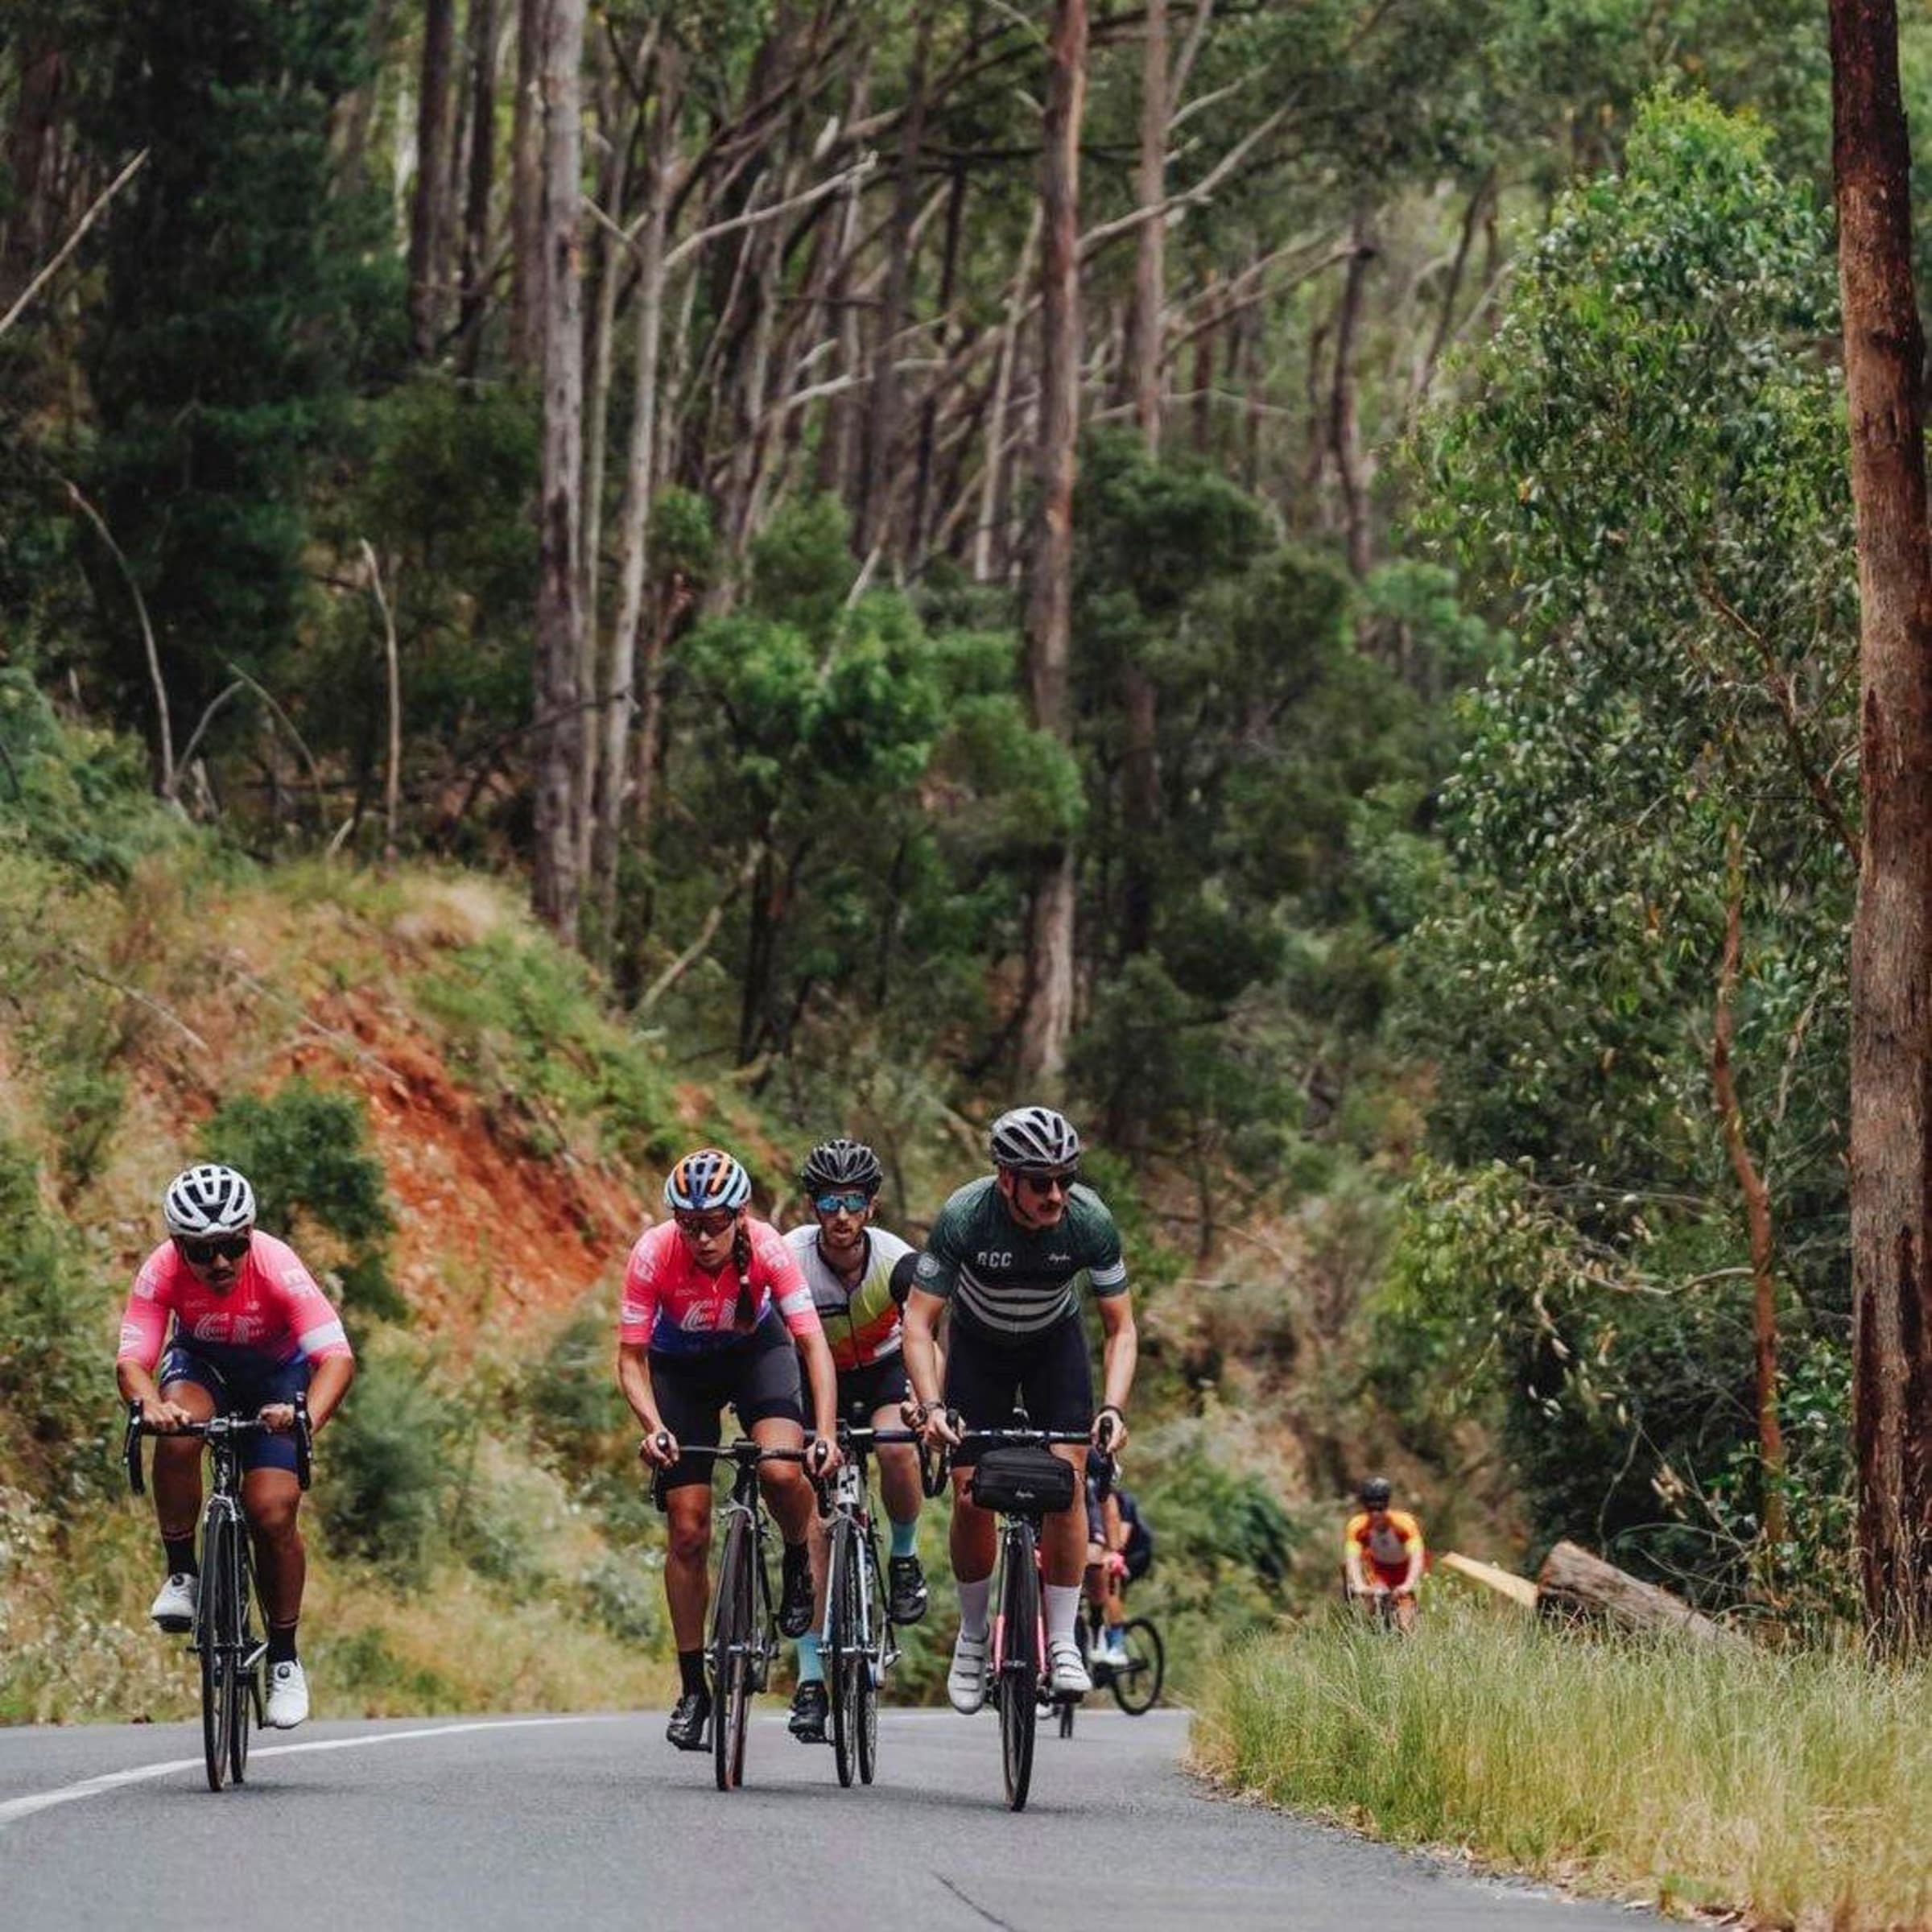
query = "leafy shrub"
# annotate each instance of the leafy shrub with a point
(385, 1459)
(303, 1149)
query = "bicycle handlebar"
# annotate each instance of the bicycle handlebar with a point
(218, 1428)
(933, 1472)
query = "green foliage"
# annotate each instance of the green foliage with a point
(54, 1415)
(303, 1149)
(386, 1455)
(235, 309)
(526, 1025)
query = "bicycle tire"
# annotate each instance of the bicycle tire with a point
(868, 1679)
(1136, 1685)
(1019, 1672)
(731, 1658)
(242, 1693)
(215, 1645)
(844, 1651)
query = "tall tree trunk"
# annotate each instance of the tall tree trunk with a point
(525, 189)
(1344, 430)
(987, 538)
(881, 479)
(622, 678)
(1151, 263)
(482, 165)
(1047, 1017)
(929, 416)
(1757, 1210)
(1140, 775)
(426, 239)
(31, 145)
(1891, 1140)
(355, 114)
(558, 737)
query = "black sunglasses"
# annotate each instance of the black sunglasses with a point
(1044, 1183)
(230, 1247)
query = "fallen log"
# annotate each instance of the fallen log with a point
(1504, 1582)
(1573, 1582)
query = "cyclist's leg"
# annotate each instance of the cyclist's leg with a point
(196, 1385)
(899, 1462)
(1057, 1386)
(689, 1397)
(272, 1500)
(982, 1381)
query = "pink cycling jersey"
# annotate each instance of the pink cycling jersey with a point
(671, 1303)
(273, 1308)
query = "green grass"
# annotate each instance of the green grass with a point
(1796, 1789)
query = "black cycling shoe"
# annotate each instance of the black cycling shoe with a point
(795, 1606)
(690, 1726)
(905, 1590)
(810, 1707)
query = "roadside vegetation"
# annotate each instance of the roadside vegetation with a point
(1793, 1788)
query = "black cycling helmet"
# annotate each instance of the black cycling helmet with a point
(1033, 1137)
(841, 1163)
(1374, 1493)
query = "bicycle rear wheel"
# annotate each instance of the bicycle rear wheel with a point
(731, 1656)
(1019, 1671)
(1137, 1683)
(214, 1640)
(844, 1647)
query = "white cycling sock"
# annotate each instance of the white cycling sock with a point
(1063, 1606)
(973, 1599)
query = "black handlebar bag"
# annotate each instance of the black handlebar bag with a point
(1022, 1479)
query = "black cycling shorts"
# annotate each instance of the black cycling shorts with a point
(1047, 1374)
(760, 1377)
(864, 1391)
(241, 1382)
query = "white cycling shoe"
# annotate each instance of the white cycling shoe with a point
(1112, 1653)
(1070, 1677)
(966, 1681)
(287, 1696)
(174, 1608)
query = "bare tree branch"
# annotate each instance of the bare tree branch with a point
(73, 241)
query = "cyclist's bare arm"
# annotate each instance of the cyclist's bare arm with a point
(922, 1345)
(1119, 1350)
(633, 1379)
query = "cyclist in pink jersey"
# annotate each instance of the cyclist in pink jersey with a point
(716, 1310)
(244, 1327)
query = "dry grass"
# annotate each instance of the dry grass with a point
(1796, 1790)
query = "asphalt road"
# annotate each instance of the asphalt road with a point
(594, 1822)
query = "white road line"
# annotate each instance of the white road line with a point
(112, 1781)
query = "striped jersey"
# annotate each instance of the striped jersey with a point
(862, 1324)
(1015, 1280)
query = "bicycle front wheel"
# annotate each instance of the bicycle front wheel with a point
(731, 1656)
(1137, 1683)
(214, 1639)
(871, 1661)
(246, 1666)
(1019, 1671)
(844, 1647)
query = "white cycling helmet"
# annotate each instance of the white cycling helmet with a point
(1033, 1137)
(206, 1202)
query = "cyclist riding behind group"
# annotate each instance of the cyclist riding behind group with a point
(1383, 1555)
(715, 1311)
(223, 1318)
(860, 1276)
(1120, 1547)
(1006, 1252)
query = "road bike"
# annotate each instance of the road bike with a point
(1136, 1685)
(744, 1638)
(1022, 1492)
(857, 1645)
(223, 1634)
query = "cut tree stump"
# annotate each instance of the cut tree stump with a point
(1574, 1583)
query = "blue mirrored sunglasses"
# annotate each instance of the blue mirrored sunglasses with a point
(851, 1204)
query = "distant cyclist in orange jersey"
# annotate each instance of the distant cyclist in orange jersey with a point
(1382, 1552)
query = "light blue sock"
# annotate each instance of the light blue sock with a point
(905, 1537)
(811, 1667)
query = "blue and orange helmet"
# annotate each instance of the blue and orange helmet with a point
(707, 1179)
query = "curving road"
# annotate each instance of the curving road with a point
(594, 1823)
